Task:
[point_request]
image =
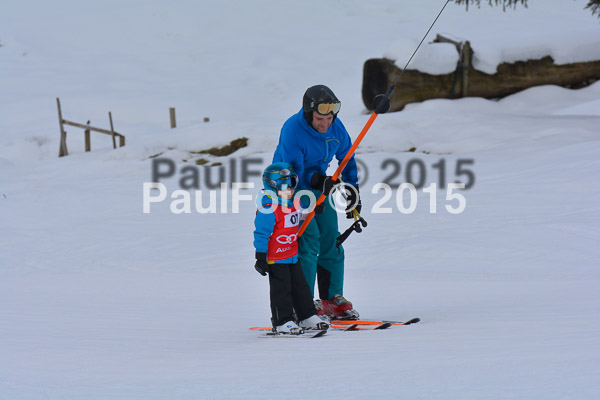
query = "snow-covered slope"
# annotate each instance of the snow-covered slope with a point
(101, 300)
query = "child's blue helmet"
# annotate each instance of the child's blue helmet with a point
(280, 176)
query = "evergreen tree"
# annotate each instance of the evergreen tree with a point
(593, 5)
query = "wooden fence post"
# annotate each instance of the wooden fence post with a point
(172, 117)
(467, 55)
(62, 149)
(88, 141)
(112, 129)
(87, 129)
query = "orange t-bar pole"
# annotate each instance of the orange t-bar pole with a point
(339, 169)
(381, 103)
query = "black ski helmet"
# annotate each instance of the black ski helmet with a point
(321, 99)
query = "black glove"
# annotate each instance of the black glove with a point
(261, 264)
(352, 201)
(323, 183)
(320, 208)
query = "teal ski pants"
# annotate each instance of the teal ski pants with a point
(317, 252)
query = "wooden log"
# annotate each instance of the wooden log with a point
(416, 86)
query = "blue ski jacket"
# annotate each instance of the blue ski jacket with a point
(310, 151)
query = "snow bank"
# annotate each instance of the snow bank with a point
(99, 300)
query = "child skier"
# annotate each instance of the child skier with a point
(275, 240)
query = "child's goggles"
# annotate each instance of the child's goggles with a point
(287, 182)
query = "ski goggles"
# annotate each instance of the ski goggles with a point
(287, 182)
(326, 108)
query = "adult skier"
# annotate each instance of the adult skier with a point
(275, 241)
(309, 141)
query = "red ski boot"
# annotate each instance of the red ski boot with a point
(336, 308)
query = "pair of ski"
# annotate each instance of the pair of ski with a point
(343, 325)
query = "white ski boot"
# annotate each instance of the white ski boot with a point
(289, 328)
(314, 323)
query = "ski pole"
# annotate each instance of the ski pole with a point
(357, 226)
(381, 105)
